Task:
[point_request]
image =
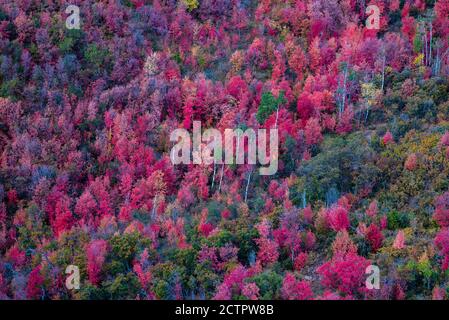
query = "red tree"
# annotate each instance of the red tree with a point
(96, 256)
(268, 249)
(34, 287)
(313, 132)
(441, 215)
(293, 289)
(374, 237)
(345, 273)
(442, 244)
(338, 218)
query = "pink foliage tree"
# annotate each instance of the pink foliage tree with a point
(399, 241)
(441, 214)
(34, 289)
(293, 289)
(268, 248)
(338, 218)
(96, 256)
(374, 237)
(345, 273)
(387, 138)
(442, 244)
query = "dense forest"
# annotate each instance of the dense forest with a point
(86, 178)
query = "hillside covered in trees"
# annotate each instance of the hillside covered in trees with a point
(86, 177)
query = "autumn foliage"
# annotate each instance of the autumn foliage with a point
(86, 172)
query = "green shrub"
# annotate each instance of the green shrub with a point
(268, 104)
(397, 220)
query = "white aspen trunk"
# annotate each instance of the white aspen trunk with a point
(383, 71)
(304, 201)
(237, 147)
(221, 177)
(153, 212)
(430, 45)
(247, 185)
(435, 65)
(338, 98)
(277, 115)
(367, 112)
(213, 176)
(426, 47)
(344, 89)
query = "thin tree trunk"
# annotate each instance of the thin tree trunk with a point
(367, 112)
(423, 51)
(430, 45)
(435, 65)
(383, 71)
(304, 201)
(237, 147)
(221, 177)
(277, 115)
(425, 47)
(153, 212)
(344, 89)
(339, 98)
(247, 185)
(213, 176)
